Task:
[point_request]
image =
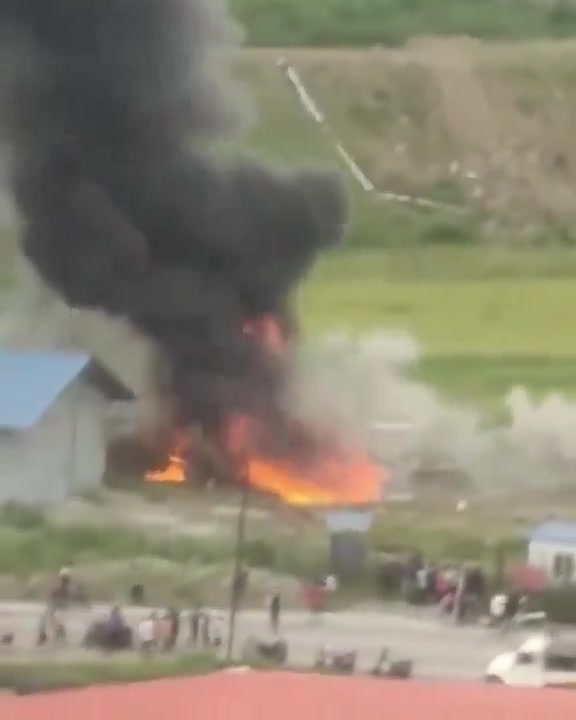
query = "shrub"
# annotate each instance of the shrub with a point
(21, 517)
(259, 554)
(560, 604)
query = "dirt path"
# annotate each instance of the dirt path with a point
(466, 107)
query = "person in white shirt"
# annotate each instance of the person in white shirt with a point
(147, 633)
(331, 583)
(498, 606)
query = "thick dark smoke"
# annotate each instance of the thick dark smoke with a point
(109, 108)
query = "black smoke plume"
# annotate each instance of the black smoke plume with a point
(109, 109)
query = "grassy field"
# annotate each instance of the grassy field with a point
(177, 568)
(350, 22)
(486, 319)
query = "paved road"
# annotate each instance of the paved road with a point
(438, 649)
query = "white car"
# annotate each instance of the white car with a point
(541, 661)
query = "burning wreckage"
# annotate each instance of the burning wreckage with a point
(111, 113)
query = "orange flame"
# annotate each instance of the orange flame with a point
(328, 482)
(174, 472)
(332, 478)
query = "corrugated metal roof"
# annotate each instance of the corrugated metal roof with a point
(30, 382)
(35, 317)
(555, 531)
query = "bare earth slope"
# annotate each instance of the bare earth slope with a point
(453, 119)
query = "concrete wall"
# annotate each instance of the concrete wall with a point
(63, 455)
(542, 555)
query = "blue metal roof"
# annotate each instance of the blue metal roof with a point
(555, 531)
(30, 382)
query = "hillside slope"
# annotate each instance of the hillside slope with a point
(486, 127)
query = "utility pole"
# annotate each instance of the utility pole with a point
(238, 573)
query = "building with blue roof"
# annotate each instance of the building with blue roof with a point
(53, 434)
(552, 549)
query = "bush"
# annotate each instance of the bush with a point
(21, 517)
(282, 23)
(259, 554)
(560, 604)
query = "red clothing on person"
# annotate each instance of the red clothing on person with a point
(315, 597)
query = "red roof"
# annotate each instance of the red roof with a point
(290, 696)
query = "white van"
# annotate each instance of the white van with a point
(541, 661)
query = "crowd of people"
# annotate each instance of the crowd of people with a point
(457, 590)
(197, 628)
(461, 592)
(161, 630)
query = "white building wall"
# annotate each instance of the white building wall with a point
(541, 555)
(63, 455)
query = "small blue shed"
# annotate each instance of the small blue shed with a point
(348, 528)
(552, 549)
(52, 425)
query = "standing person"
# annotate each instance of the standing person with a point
(274, 608)
(216, 632)
(498, 604)
(331, 583)
(147, 634)
(460, 598)
(42, 633)
(239, 585)
(195, 619)
(315, 595)
(173, 620)
(205, 629)
(421, 584)
(51, 628)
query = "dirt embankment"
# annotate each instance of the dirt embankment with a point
(454, 119)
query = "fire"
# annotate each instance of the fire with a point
(330, 478)
(174, 472)
(325, 477)
(328, 482)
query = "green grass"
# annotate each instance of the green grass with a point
(367, 22)
(486, 380)
(32, 677)
(109, 558)
(452, 309)
(487, 319)
(499, 317)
